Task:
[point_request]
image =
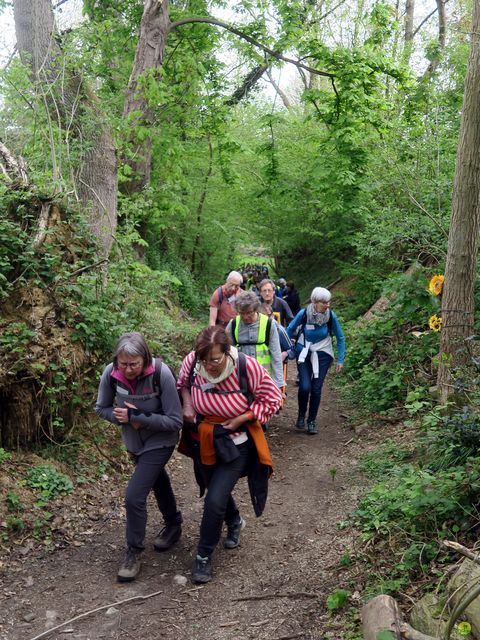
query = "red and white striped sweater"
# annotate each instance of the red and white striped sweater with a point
(267, 396)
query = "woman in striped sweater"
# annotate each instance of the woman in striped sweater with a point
(226, 398)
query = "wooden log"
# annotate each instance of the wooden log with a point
(409, 633)
(382, 613)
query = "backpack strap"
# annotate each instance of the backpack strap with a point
(193, 374)
(267, 331)
(304, 322)
(243, 377)
(220, 296)
(157, 374)
(330, 324)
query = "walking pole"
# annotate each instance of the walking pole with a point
(285, 374)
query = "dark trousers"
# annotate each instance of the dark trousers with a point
(149, 475)
(310, 387)
(219, 505)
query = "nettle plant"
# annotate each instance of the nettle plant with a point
(381, 374)
(49, 482)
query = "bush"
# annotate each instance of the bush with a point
(50, 482)
(417, 501)
(380, 373)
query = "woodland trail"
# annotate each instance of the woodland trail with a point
(274, 586)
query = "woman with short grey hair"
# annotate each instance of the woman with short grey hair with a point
(256, 335)
(245, 301)
(132, 344)
(139, 394)
(313, 328)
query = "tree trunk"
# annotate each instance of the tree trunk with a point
(442, 33)
(460, 270)
(408, 40)
(152, 41)
(72, 104)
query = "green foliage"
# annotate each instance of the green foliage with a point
(4, 455)
(379, 372)
(15, 524)
(49, 482)
(337, 599)
(416, 501)
(13, 501)
(16, 337)
(383, 462)
(451, 439)
(385, 635)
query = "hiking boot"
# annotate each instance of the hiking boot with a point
(130, 567)
(233, 534)
(312, 428)
(167, 537)
(202, 570)
(300, 424)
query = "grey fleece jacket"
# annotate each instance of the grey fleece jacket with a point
(158, 411)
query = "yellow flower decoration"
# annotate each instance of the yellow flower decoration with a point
(435, 285)
(464, 629)
(435, 322)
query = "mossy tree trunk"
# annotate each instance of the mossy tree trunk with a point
(73, 106)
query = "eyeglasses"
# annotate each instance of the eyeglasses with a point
(130, 365)
(213, 361)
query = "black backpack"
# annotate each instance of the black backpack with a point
(242, 378)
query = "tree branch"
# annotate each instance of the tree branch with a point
(247, 85)
(244, 36)
(279, 91)
(432, 13)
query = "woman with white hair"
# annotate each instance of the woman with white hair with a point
(313, 328)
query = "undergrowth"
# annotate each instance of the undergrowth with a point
(426, 477)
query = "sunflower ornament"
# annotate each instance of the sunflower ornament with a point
(435, 285)
(435, 322)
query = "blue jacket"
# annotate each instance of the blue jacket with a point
(318, 333)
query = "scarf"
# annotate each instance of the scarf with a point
(231, 357)
(317, 317)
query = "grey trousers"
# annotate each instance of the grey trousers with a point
(149, 474)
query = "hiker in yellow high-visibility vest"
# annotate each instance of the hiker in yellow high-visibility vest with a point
(256, 335)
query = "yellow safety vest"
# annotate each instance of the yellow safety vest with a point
(262, 353)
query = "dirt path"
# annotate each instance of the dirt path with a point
(274, 586)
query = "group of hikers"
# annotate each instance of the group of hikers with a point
(228, 389)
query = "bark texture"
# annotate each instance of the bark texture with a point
(76, 110)
(154, 28)
(460, 270)
(408, 37)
